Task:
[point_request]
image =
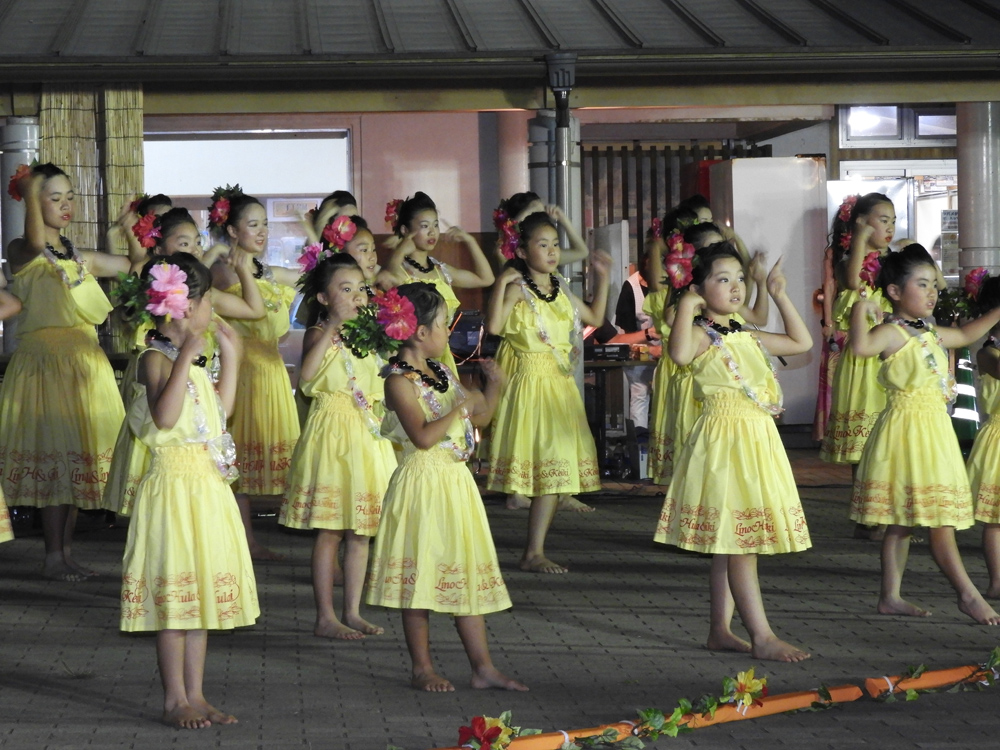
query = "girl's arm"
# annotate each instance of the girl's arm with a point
(315, 344)
(867, 341)
(486, 404)
(577, 249)
(758, 314)
(214, 254)
(481, 274)
(20, 252)
(401, 397)
(105, 265)
(593, 314)
(392, 273)
(230, 354)
(9, 304)
(856, 258)
(796, 338)
(953, 338)
(504, 296)
(988, 361)
(251, 305)
(829, 293)
(166, 381)
(686, 342)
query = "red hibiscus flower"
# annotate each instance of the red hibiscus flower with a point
(974, 281)
(14, 186)
(145, 231)
(339, 232)
(844, 212)
(870, 268)
(219, 213)
(478, 731)
(392, 211)
(396, 315)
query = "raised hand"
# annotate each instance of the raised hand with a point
(600, 261)
(776, 281)
(692, 300)
(758, 267)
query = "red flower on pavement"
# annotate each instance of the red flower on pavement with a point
(478, 731)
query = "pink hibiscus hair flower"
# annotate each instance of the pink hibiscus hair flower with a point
(870, 268)
(168, 292)
(310, 257)
(974, 280)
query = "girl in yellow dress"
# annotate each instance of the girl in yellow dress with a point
(911, 472)
(733, 494)
(172, 232)
(265, 422)
(9, 307)
(416, 228)
(186, 568)
(864, 225)
(434, 550)
(674, 409)
(984, 461)
(342, 464)
(541, 445)
(60, 409)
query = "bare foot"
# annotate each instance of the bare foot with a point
(431, 682)
(62, 572)
(901, 607)
(186, 717)
(363, 626)
(214, 715)
(776, 649)
(74, 565)
(541, 565)
(518, 502)
(993, 592)
(568, 502)
(493, 678)
(727, 641)
(262, 554)
(977, 608)
(337, 630)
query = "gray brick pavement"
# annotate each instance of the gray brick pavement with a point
(622, 631)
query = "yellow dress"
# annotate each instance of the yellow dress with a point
(541, 443)
(434, 549)
(856, 397)
(131, 459)
(733, 492)
(264, 423)
(442, 281)
(6, 532)
(984, 461)
(341, 465)
(60, 408)
(911, 472)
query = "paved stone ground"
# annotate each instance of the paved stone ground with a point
(623, 631)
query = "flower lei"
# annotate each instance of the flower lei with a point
(434, 405)
(680, 261)
(221, 447)
(845, 240)
(717, 340)
(489, 733)
(218, 212)
(871, 267)
(53, 257)
(392, 212)
(13, 188)
(339, 232)
(146, 231)
(373, 423)
(506, 226)
(543, 334)
(844, 212)
(949, 390)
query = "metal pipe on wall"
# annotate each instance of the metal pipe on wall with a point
(18, 145)
(978, 125)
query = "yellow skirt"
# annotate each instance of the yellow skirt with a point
(264, 423)
(60, 411)
(911, 472)
(340, 471)
(733, 492)
(434, 549)
(186, 564)
(6, 532)
(131, 459)
(541, 443)
(674, 413)
(984, 472)
(856, 401)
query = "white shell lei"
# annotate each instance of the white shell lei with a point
(430, 398)
(373, 423)
(574, 352)
(718, 341)
(221, 448)
(949, 389)
(49, 252)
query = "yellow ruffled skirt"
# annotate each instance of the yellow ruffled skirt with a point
(541, 442)
(984, 472)
(911, 472)
(733, 492)
(60, 412)
(340, 471)
(856, 400)
(131, 459)
(6, 532)
(187, 565)
(674, 413)
(264, 423)
(434, 549)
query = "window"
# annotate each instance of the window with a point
(890, 126)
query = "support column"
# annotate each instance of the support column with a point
(19, 145)
(979, 185)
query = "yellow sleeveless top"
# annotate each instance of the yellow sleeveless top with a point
(48, 303)
(276, 320)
